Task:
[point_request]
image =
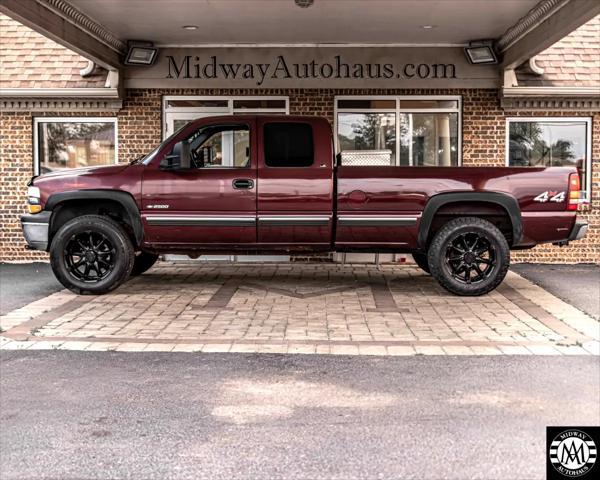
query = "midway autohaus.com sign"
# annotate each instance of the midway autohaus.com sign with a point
(190, 66)
(315, 67)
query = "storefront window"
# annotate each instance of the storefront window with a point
(62, 143)
(179, 110)
(429, 139)
(398, 131)
(367, 138)
(550, 142)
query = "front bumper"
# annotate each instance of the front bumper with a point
(35, 229)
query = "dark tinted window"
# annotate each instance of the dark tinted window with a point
(288, 145)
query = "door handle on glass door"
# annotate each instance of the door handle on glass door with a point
(243, 184)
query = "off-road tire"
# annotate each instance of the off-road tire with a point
(422, 261)
(441, 265)
(121, 260)
(143, 261)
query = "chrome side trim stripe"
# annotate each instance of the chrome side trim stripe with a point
(279, 220)
(376, 221)
(203, 221)
(293, 220)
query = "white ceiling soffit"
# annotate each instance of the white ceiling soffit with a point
(282, 22)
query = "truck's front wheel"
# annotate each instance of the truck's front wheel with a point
(469, 256)
(91, 254)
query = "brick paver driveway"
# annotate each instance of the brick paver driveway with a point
(303, 308)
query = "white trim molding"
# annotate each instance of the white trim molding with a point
(311, 45)
(60, 99)
(60, 105)
(85, 23)
(551, 91)
(529, 21)
(550, 98)
(59, 92)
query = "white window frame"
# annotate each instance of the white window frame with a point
(38, 120)
(588, 143)
(229, 110)
(398, 110)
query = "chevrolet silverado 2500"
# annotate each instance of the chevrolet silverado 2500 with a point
(268, 184)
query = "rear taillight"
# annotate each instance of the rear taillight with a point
(575, 197)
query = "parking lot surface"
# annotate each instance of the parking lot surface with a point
(75, 415)
(303, 308)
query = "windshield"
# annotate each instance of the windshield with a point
(148, 158)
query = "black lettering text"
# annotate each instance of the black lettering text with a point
(210, 69)
(423, 70)
(230, 69)
(185, 67)
(263, 68)
(441, 70)
(281, 66)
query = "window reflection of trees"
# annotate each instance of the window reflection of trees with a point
(74, 144)
(426, 139)
(529, 147)
(368, 131)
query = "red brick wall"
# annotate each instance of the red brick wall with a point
(15, 171)
(140, 129)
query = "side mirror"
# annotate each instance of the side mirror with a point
(176, 159)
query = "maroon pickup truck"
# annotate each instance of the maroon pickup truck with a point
(268, 184)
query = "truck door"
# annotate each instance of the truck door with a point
(212, 203)
(295, 183)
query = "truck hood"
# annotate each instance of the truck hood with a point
(77, 172)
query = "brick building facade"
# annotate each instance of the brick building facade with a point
(140, 126)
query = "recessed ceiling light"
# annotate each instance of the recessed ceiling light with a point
(428, 27)
(304, 3)
(190, 27)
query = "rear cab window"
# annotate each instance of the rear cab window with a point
(288, 144)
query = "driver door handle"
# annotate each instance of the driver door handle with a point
(243, 184)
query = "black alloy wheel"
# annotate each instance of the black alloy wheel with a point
(469, 256)
(90, 256)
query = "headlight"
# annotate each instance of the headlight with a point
(33, 199)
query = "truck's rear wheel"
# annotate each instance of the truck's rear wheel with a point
(421, 261)
(142, 262)
(469, 256)
(91, 254)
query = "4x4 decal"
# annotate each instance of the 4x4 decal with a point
(550, 196)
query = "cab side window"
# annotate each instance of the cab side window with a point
(221, 147)
(288, 144)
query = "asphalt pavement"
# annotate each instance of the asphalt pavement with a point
(84, 415)
(23, 283)
(578, 285)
